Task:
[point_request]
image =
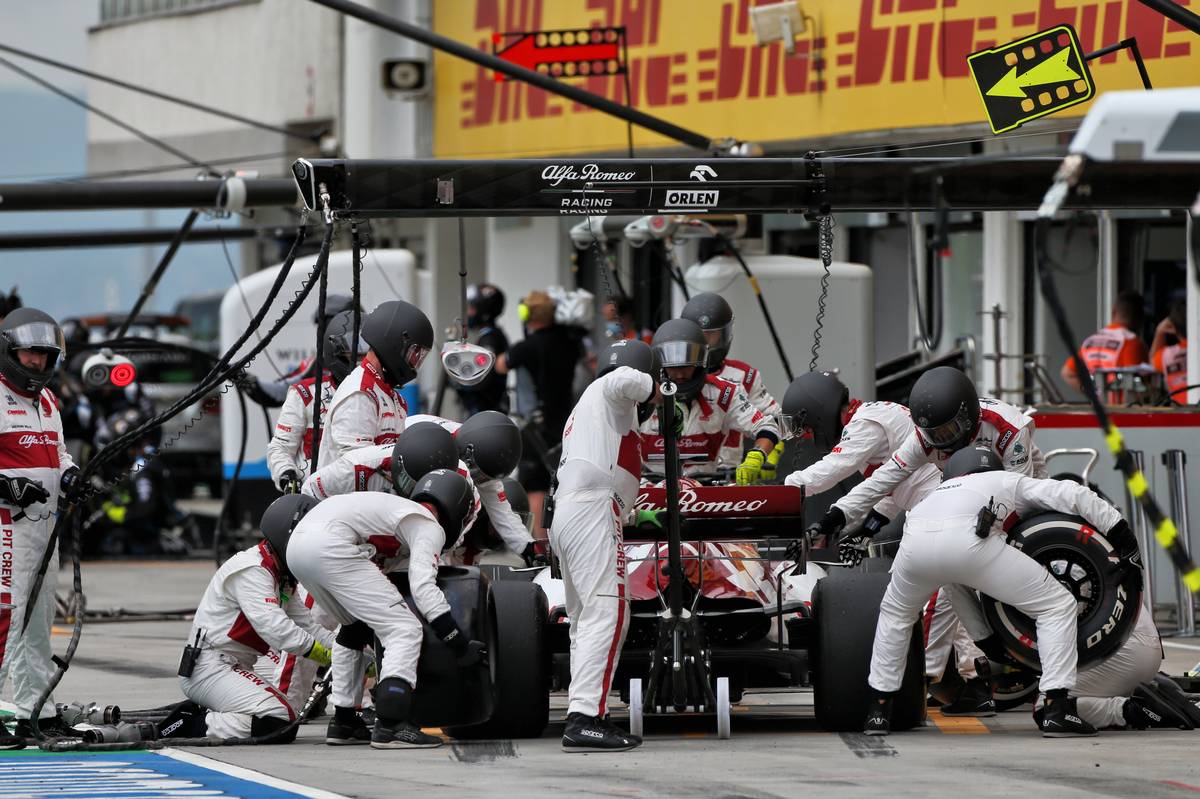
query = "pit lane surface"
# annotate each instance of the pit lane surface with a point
(777, 750)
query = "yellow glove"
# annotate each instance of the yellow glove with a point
(320, 654)
(115, 513)
(768, 470)
(751, 468)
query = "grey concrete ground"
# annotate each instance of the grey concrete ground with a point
(776, 749)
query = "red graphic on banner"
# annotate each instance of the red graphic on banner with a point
(564, 53)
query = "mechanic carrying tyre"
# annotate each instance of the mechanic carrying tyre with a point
(956, 535)
(597, 485)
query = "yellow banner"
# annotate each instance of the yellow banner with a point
(861, 65)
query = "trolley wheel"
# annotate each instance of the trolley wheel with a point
(635, 706)
(723, 708)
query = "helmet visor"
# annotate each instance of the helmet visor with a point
(719, 339)
(681, 353)
(37, 336)
(414, 355)
(790, 426)
(951, 434)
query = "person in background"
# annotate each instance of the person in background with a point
(485, 303)
(1168, 351)
(1117, 344)
(620, 322)
(549, 354)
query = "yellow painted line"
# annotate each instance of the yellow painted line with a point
(957, 725)
(432, 730)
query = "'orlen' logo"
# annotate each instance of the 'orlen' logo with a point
(690, 504)
(35, 440)
(557, 173)
(692, 198)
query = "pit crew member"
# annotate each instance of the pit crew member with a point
(598, 478)
(336, 551)
(956, 535)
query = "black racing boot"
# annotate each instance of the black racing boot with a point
(10, 741)
(1060, 718)
(879, 714)
(594, 734)
(975, 699)
(347, 728)
(401, 735)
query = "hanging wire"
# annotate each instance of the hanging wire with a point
(825, 249)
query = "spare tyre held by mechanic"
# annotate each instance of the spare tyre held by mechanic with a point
(598, 480)
(715, 317)
(367, 407)
(956, 535)
(245, 611)
(340, 551)
(289, 451)
(712, 408)
(35, 470)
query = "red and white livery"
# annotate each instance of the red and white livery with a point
(290, 447)
(365, 410)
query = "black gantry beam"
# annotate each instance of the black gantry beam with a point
(542, 187)
(231, 194)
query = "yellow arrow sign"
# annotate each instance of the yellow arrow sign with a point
(1053, 70)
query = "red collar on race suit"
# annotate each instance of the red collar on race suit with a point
(268, 561)
(851, 409)
(372, 377)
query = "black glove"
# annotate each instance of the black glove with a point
(831, 524)
(474, 654)
(70, 485)
(288, 481)
(21, 491)
(852, 549)
(533, 555)
(466, 651)
(995, 650)
(875, 522)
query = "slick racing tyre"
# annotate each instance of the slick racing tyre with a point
(1107, 587)
(846, 609)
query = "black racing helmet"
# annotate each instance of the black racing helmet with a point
(518, 500)
(715, 317)
(280, 519)
(401, 336)
(485, 303)
(945, 408)
(420, 449)
(334, 305)
(632, 353)
(338, 352)
(490, 444)
(453, 500)
(30, 329)
(814, 400)
(681, 343)
(971, 460)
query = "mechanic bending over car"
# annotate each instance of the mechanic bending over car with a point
(597, 484)
(715, 317)
(860, 437)
(367, 407)
(956, 536)
(340, 551)
(712, 408)
(290, 449)
(250, 606)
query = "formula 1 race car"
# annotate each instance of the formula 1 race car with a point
(764, 621)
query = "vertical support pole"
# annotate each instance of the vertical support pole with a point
(1176, 462)
(1141, 529)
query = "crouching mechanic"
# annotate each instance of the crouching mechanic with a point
(367, 407)
(956, 535)
(246, 610)
(340, 550)
(715, 317)
(598, 478)
(712, 408)
(289, 451)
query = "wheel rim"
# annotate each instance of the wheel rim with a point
(1075, 573)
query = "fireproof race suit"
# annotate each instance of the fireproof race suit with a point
(339, 552)
(751, 380)
(294, 674)
(721, 408)
(365, 410)
(940, 547)
(31, 446)
(240, 618)
(598, 478)
(1002, 427)
(290, 448)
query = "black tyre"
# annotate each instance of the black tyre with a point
(846, 607)
(519, 663)
(1013, 686)
(1103, 575)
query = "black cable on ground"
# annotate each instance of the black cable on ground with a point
(159, 270)
(762, 303)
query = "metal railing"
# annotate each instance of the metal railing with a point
(1175, 460)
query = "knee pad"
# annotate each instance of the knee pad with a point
(269, 725)
(393, 699)
(357, 636)
(186, 720)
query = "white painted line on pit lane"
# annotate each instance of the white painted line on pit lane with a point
(1175, 645)
(249, 774)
